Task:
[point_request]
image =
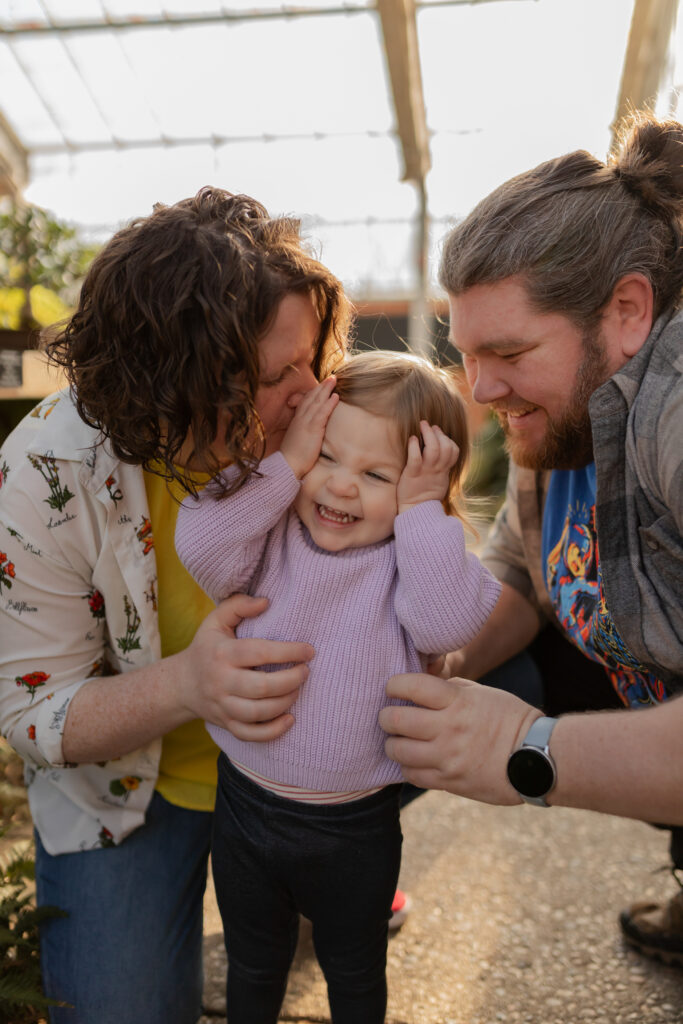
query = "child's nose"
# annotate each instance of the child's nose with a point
(342, 483)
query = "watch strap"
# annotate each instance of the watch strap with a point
(538, 737)
(539, 734)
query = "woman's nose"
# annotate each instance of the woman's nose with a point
(305, 382)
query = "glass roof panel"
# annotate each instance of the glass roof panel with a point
(516, 105)
(62, 89)
(26, 112)
(297, 111)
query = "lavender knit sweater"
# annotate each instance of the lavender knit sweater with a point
(370, 613)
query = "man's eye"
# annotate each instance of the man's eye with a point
(510, 357)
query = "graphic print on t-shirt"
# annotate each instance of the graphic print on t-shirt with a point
(574, 581)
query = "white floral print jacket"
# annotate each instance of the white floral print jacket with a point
(77, 600)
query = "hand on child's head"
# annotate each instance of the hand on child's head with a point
(427, 471)
(301, 444)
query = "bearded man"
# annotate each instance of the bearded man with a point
(564, 288)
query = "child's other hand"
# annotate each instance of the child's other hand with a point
(302, 443)
(425, 477)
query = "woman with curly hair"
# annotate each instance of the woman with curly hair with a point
(198, 330)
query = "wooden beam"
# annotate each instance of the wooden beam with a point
(13, 162)
(399, 28)
(645, 63)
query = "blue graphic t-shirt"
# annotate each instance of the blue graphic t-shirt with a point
(572, 576)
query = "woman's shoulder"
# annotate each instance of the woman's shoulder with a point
(54, 426)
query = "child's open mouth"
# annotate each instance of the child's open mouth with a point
(331, 515)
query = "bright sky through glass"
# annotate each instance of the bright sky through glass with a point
(507, 84)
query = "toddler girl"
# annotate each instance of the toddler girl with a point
(351, 531)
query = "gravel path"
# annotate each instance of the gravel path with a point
(514, 920)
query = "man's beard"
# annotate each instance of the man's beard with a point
(568, 441)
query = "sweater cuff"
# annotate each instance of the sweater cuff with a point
(417, 518)
(276, 470)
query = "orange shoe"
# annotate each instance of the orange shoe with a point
(400, 909)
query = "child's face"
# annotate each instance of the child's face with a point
(348, 499)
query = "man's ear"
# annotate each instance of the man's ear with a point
(628, 316)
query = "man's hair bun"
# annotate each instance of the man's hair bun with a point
(649, 163)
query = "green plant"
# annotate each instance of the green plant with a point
(21, 995)
(37, 249)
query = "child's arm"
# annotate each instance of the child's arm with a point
(444, 594)
(220, 539)
(304, 438)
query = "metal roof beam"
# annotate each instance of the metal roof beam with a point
(106, 23)
(171, 21)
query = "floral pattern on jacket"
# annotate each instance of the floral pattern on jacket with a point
(75, 580)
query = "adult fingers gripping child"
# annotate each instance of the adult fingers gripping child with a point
(426, 473)
(303, 440)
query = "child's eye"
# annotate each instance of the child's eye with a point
(378, 476)
(326, 457)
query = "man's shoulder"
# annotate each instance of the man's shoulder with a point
(659, 364)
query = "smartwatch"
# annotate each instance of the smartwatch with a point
(531, 769)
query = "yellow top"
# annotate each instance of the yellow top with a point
(187, 772)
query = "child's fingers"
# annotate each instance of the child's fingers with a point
(431, 440)
(449, 452)
(440, 451)
(315, 400)
(414, 457)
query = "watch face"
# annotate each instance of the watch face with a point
(530, 772)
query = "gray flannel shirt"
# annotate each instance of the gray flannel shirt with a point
(637, 421)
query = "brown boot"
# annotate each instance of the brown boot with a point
(656, 929)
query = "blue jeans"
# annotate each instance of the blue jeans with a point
(338, 865)
(131, 949)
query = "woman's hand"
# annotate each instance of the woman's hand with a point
(426, 473)
(303, 440)
(225, 687)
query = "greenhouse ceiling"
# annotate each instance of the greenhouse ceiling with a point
(377, 124)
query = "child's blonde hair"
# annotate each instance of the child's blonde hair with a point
(407, 388)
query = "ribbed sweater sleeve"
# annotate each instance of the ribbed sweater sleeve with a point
(444, 593)
(221, 540)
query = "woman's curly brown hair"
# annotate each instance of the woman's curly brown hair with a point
(166, 333)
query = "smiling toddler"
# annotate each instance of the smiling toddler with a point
(352, 532)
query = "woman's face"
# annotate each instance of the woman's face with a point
(286, 352)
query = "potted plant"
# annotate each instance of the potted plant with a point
(42, 261)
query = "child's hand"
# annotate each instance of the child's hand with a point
(302, 443)
(425, 477)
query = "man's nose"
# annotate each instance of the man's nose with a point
(486, 384)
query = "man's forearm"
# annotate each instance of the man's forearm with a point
(512, 625)
(457, 735)
(628, 763)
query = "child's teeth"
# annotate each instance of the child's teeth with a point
(339, 517)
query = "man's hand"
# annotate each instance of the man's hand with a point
(426, 473)
(458, 737)
(224, 687)
(303, 440)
